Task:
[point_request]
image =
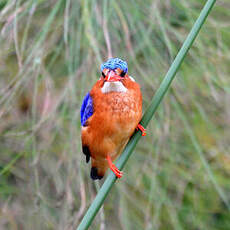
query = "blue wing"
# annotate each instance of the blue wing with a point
(86, 108)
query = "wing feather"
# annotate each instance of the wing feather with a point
(86, 109)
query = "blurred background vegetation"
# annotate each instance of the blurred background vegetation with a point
(50, 56)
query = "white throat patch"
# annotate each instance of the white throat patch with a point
(113, 87)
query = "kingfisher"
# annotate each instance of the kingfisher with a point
(110, 113)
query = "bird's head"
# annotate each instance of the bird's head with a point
(114, 76)
(114, 70)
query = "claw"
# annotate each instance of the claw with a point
(113, 167)
(142, 129)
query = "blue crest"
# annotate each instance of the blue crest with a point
(114, 63)
(86, 108)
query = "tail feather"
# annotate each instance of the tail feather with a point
(99, 168)
(94, 174)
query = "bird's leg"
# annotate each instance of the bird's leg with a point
(142, 129)
(113, 167)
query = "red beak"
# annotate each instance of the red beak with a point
(112, 77)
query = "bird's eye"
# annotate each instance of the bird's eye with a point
(122, 74)
(103, 74)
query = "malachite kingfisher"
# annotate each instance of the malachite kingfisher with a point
(110, 113)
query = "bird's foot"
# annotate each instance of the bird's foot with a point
(113, 167)
(142, 129)
(116, 171)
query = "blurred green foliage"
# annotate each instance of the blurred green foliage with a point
(50, 56)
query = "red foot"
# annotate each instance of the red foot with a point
(113, 167)
(142, 129)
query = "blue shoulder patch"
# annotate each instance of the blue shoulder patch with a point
(86, 108)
